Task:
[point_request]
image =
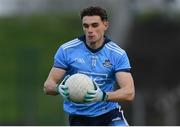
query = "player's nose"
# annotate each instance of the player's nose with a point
(90, 29)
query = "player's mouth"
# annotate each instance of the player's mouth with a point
(91, 36)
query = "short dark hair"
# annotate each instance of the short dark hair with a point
(94, 11)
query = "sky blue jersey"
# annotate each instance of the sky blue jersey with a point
(100, 65)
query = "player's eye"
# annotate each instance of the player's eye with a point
(95, 25)
(85, 25)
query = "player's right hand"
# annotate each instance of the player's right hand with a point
(63, 89)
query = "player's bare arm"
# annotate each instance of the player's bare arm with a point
(126, 91)
(50, 84)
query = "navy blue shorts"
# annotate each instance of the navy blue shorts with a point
(112, 118)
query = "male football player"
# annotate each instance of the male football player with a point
(104, 62)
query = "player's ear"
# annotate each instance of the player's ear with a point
(106, 24)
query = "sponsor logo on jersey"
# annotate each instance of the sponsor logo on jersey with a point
(99, 78)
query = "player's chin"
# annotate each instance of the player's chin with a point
(92, 41)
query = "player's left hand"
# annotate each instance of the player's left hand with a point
(95, 95)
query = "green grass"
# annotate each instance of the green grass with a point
(27, 48)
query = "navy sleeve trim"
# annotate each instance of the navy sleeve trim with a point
(124, 70)
(61, 68)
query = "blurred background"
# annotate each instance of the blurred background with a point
(32, 30)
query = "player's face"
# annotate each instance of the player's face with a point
(94, 28)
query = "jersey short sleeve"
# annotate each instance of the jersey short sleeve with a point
(122, 63)
(60, 59)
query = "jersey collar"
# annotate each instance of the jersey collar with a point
(83, 38)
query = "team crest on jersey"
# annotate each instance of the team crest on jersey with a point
(107, 63)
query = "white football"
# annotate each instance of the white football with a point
(78, 85)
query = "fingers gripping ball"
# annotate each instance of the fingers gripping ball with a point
(78, 85)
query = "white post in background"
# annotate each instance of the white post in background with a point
(121, 21)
